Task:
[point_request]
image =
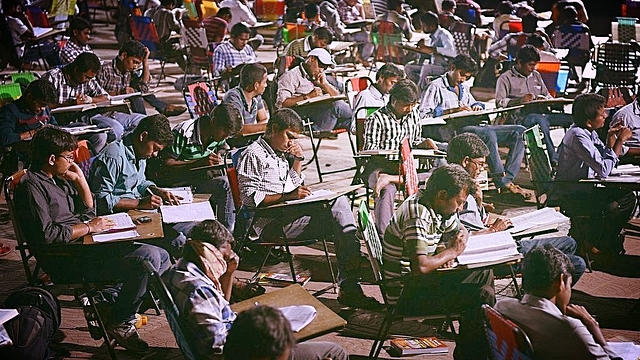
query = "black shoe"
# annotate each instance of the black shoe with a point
(126, 335)
(357, 299)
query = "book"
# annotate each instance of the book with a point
(73, 108)
(415, 346)
(321, 98)
(7, 314)
(544, 216)
(488, 248)
(282, 280)
(88, 129)
(299, 316)
(40, 31)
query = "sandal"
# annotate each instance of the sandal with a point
(514, 189)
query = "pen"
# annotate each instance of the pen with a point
(150, 192)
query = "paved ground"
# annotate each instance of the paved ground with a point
(611, 293)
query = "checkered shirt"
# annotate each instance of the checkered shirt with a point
(262, 172)
(67, 92)
(71, 50)
(113, 80)
(349, 13)
(226, 55)
(440, 96)
(383, 131)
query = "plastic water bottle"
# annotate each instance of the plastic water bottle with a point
(141, 320)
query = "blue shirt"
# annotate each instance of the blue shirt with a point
(583, 156)
(441, 96)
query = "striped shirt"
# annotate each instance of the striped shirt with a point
(299, 47)
(71, 50)
(226, 55)
(188, 145)
(67, 92)
(383, 131)
(113, 80)
(414, 229)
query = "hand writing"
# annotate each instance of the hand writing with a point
(300, 193)
(150, 202)
(100, 224)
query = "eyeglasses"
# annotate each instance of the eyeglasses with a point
(479, 164)
(69, 158)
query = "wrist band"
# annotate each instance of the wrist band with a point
(88, 228)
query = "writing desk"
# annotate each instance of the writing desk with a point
(413, 48)
(337, 46)
(465, 118)
(358, 23)
(48, 34)
(325, 321)
(317, 201)
(150, 230)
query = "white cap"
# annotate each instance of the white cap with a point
(323, 56)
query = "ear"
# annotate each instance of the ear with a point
(465, 161)
(143, 136)
(123, 56)
(442, 195)
(52, 159)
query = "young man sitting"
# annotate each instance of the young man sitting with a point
(79, 36)
(55, 206)
(377, 95)
(118, 77)
(168, 20)
(319, 39)
(247, 97)
(234, 51)
(21, 31)
(216, 26)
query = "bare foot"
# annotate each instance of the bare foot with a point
(382, 181)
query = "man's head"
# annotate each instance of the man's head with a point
(261, 332)
(461, 69)
(253, 78)
(168, 4)
(11, 7)
(152, 134)
(429, 22)
(318, 61)
(321, 38)
(311, 11)
(448, 6)
(240, 34)
(38, 95)
(447, 189)
(526, 60)
(351, 2)
(505, 8)
(388, 76)
(225, 14)
(52, 150)
(132, 54)
(84, 68)
(282, 129)
(536, 41)
(403, 97)
(212, 232)
(225, 121)
(80, 30)
(588, 111)
(395, 5)
(469, 151)
(547, 272)
(569, 14)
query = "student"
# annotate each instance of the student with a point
(20, 119)
(504, 14)
(199, 284)
(216, 26)
(319, 39)
(597, 213)
(557, 329)
(377, 95)
(330, 14)
(118, 77)
(168, 20)
(523, 83)
(468, 151)
(21, 32)
(447, 17)
(247, 97)
(629, 116)
(79, 36)
(240, 12)
(422, 223)
(448, 94)
(397, 15)
(76, 84)
(351, 11)
(308, 80)
(312, 17)
(55, 206)
(234, 51)
(269, 172)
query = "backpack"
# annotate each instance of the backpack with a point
(32, 330)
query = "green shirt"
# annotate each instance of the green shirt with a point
(187, 144)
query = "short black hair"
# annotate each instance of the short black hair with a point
(212, 231)
(260, 332)
(251, 73)
(569, 13)
(389, 70)
(505, 7)
(323, 33)
(85, 62)
(239, 29)
(393, 4)
(448, 5)
(311, 10)
(527, 53)
(406, 91)
(586, 107)
(283, 119)
(133, 48)
(227, 117)
(466, 144)
(465, 63)
(166, 3)
(451, 178)
(224, 11)
(79, 23)
(542, 266)
(50, 140)
(429, 18)
(536, 41)
(42, 91)
(158, 129)
(8, 5)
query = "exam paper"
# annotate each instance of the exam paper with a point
(198, 211)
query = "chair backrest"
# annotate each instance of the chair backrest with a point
(385, 39)
(367, 228)
(511, 26)
(467, 13)
(616, 64)
(361, 115)
(571, 37)
(231, 161)
(24, 78)
(200, 99)
(208, 9)
(194, 34)
(9, 93)
(37, 16)
(170, 310)
(506, 340)
(144, 30)
(293, 31)
(463, 35)
(549, 72)
(408, 168)
(625, 29)
(538, 162)
(354, 86)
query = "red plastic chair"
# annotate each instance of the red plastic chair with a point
(506, 340)
(408, 169)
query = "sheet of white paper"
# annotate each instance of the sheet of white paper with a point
(39, 31)
(539, 217)
(627, 350)
(199, 211)
(184, 192)
(123, 96)
(313, 197)
(106, 237)
(299, 316)
(121, 221)
(625, 169)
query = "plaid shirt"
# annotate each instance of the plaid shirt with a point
(383, 131)
(113, 80)
(349, 13)
(67, 92)
(299, 47)
(226, 55)
(440, 96)
(71, 50)
(204, 313)
(262, 172)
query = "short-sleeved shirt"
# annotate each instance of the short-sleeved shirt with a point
(236, 97)
(384, 131)
(226, 55)
(441, 96)
(71, 50)
(114, 80)
(188, 145)
(294, 82)
(17, 28)
(299, 47)
(165, 21)
(67, 92)
(215, 28)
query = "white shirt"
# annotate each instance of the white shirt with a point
(17, 28)
(369, 97)
(239, 13)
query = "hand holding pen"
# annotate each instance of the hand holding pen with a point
(150, 202)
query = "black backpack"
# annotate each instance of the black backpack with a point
(32, 330)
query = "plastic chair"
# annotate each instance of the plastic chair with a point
(577, 39)
(208, 9)
(506, 340)
(386, 38)
(537, 160)
(194, 37)
(9, 92)
(549, 72)
(463, 35)
(293, 31)
(200, 99)
(354, 86)
(269, 10)
(408, 169)
(38, 16)
(24, 79)
(616, 65)
(144, 30)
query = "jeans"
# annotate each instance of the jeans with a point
(506, 135)
(565, 244)
(546, 121)
(314, 350)
(137, 104)
(96, 141)
(221, 198)
(118, 122)
(175, 236)
(327, 116)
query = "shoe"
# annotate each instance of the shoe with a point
(326, 135)
(514, 189)
(357, 299)
(173, 110)
(126, 335)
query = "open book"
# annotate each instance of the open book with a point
(299, 316)
(39, 31)
(124, 96)
(488, 248)
(282, 280)
(541, 217)
(321, 98)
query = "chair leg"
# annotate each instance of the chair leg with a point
(382, 335)
(105, 335)
(315, 147)
(264, 262)
(155, 302)
(334, 282)
(515, 282)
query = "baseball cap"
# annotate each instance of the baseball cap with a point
(323, 56)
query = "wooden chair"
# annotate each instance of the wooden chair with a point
(200, 99)
(506, 340)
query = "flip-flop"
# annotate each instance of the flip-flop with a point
(4, 249)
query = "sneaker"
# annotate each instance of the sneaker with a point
(126, 335)
(174, 110)
(357, 299)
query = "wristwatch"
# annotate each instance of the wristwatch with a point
(304, 96)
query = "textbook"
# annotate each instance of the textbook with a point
(281, 280)
(321, 98)
(540, 217)
(415, 346)
(488, 248)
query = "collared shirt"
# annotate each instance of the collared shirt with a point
(442, 40)
(402, 21)
(216, 29)
(330, 14)
(239, 12)
(15, 118)
(205, 314)
(236, 97)
(384, 131)
(294, 82)
(67, 92)
(441, 96)
(113, 80)
(71, 50)
(165, 21)
(370, 97)
(511, 39)
(17, 28)
(261, 172)
(547, 327)
(48, 208)
(584, 156)
(414, 229)
(349, 13)
(226, 55)
(513, 85)
(299, 47)
(117, 174)
(473, 216)
(188, 145)
(629, 116)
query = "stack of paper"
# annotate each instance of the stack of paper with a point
(541, 217)
(299, 316)
(198, 211)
